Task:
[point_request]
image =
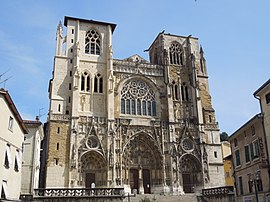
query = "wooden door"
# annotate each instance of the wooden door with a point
(146, 181)
(134, 179)
(187, 183)
(89, 179)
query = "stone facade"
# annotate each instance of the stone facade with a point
(11, 140)
(146, 126)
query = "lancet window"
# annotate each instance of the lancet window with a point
(184, 92)
(175, 90)
(92, 42)
(85, 82)
(137, 98)
(98, 84)
(176, 54)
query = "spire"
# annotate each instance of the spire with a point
(59, 29)
(201, 50)
(59, 38)
(202, 61)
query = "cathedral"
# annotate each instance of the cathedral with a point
(146, 126)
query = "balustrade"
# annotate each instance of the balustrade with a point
(80, 192)
(217, 191)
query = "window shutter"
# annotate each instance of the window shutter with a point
(18, 159)
(252, 151)
(8, 154)
(5, 189)
(247, 153)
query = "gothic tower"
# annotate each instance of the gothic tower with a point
(194, 135)
(144, 126)
(81, 77)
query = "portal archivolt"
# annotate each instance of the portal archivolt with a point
(142, 163)
(93, 169)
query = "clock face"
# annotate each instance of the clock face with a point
(92, 142)
(187, 145)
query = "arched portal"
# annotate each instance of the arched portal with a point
(93, 169)
(191, 170)
(142, 164)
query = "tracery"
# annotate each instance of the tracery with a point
(138, 98)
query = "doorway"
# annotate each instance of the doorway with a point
(134, 179)
(90, 180)
(187, 183)
(146, 181)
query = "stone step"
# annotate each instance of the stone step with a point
(162, 198)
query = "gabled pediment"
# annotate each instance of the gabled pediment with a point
(136, 58)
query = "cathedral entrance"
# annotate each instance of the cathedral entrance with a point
(191, 172)
(93, 169)
(143, 161)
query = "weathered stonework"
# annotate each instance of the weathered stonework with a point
(146, 126)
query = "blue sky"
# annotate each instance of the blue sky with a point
(234, 35)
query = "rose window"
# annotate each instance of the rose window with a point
(187, 144)
(138, 98)
(92, 142)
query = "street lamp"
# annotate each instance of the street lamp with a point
(254, 182)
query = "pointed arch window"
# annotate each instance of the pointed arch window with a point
(98, 84)
(92, 42)
(175, 90)
(176, 54)
(184, 92)
(139, 108)
(137, 98)
(85, 82)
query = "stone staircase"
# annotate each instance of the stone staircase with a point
(162, 198)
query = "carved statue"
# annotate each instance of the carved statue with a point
(177, 111)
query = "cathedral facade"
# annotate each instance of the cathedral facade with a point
(146, 126)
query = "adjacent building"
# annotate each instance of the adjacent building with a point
(263, 95)
(149, 127)
(227, 160)
(11, 140)
(249, 152)
(31, 157)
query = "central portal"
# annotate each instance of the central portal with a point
(142, 164)
(135, 180)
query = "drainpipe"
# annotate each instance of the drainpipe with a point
(265, 140)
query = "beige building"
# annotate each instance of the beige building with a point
(250, 161)
(226, 148)
(149, 127)
(12, 130)
(31, 156)
(227, 161)
(263, 94)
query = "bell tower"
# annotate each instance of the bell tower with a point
(194, 133)
(78, 93)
